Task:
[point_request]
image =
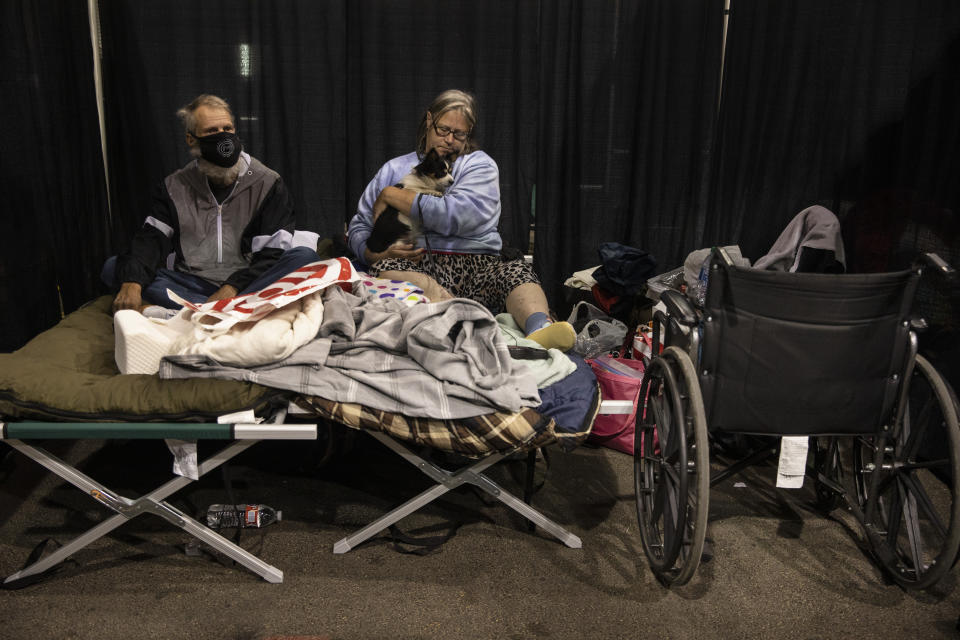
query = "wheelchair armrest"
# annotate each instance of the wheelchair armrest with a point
(679, 307)
(940, 265)
(724, 256)
(918, 324)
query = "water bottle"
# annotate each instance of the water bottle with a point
(248, 516)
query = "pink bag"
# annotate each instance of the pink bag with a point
(619, 379)
(643, 343)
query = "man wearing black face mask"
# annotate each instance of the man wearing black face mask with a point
(220, 226)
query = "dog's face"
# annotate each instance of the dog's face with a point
(431, 176)
(435, 169)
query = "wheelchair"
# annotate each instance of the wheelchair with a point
(831, 357)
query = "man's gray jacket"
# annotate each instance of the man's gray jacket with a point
(231, 242)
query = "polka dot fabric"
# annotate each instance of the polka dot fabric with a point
(370, 288)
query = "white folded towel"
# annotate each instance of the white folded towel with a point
(582, 279)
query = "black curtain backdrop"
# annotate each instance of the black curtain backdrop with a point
(402, 54)
(627, 110)
(324, 92)
(853, 104)
(605, 118)
(54, 222)
(280, 65)
(594, 111)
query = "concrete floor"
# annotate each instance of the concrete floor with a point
(780, 570)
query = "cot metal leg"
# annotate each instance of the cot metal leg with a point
(151, 503)
(447, 481)
(375, 527)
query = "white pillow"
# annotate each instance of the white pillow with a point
(140, 342)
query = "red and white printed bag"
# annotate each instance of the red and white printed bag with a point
(218, 316)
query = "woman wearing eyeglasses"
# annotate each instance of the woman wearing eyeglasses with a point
(460, 227)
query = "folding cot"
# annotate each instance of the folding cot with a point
(90, 400)
(241, 435)
(479, 442)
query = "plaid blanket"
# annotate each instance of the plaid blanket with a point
(474, 437)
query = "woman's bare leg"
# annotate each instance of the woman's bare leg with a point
(431, 288)
(528, 299)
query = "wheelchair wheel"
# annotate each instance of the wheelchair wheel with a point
(671, 466)
(909, 497)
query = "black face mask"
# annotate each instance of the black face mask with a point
(222, 149)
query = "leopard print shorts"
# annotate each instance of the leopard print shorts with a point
(488, 279)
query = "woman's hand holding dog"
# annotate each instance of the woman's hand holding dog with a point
(399, 199)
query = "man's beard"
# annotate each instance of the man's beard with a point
(221, 176)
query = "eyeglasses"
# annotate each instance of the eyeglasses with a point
(443, 132)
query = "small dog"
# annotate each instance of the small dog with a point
(432, 176)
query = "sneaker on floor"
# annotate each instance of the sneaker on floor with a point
(559, 335)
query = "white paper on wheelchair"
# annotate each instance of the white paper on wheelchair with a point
(793, 461)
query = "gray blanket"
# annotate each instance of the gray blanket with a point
(815, 227)
(444, 360)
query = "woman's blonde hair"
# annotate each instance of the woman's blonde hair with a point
(451, 100)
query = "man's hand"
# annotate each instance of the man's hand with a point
(129, 297)
(396, 250)
(225, 291)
